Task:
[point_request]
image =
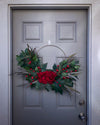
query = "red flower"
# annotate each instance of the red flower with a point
(67, 66)
(29, 62)
(46, 77)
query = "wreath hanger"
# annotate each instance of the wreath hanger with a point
(49, 44)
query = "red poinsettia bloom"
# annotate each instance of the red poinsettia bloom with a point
(46, 77)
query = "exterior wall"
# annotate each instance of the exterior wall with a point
(94, 103)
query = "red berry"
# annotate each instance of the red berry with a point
(29, 74)
(71, 71)
(67, 66)
(29, 62)
(63, 69)
(39, 70)
(30, 68)
(66, 71)
(67, 77)
(64, 77)
(59, 85)
(75, 70)
(32, 77)
(30, 83)
(57, 70)
(38, 67)
(33, 70)
(57, 65)
(56, 81)
(26, 76)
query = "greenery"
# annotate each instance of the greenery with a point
(60, 78)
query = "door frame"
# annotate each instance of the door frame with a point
(87, 7)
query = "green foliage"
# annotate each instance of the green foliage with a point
(44, 66)
(48, 87)
(54, 67)
(38, 85)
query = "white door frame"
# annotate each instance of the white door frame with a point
(89, 51)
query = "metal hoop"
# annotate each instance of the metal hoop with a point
(52, 46)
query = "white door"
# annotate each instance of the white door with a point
(66, 29)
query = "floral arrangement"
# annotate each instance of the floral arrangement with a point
(60, 78)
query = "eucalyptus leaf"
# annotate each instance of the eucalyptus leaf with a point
(64, 74)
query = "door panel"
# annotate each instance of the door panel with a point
(66, 29)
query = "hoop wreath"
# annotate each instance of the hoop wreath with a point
(60, 78)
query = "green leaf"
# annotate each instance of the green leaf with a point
(44, 66)
(33, 85)
(54, 67)
(47, 87)
(26, 51)
(64, 74)
(36, 68)
(73, 63)
(69, 84)
(57, 77)
(34, 58)
(76, 67)
(37, 85)
(60, 91)
(64, 65)
(63, 62)
(18, 58)
(59, 68)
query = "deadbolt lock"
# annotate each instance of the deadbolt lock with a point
(81, 102)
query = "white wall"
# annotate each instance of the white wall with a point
(94, 64)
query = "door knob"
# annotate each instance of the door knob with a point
(82, 117)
